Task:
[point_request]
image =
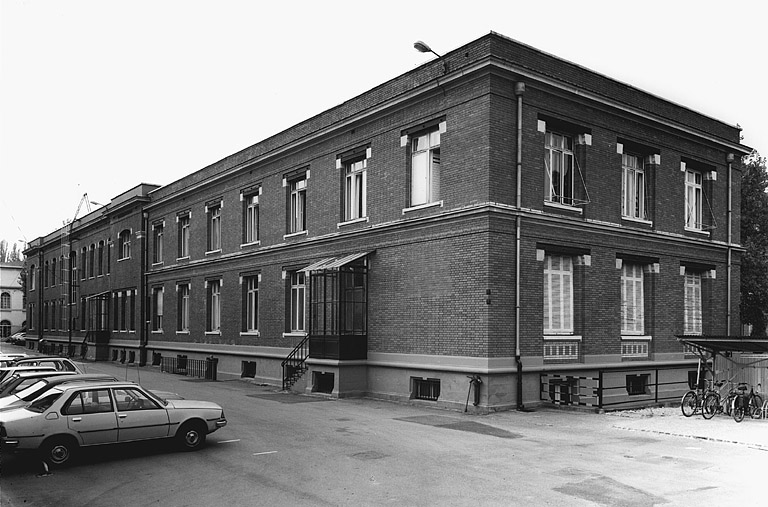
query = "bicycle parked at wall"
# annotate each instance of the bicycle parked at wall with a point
(692, 401)
(747, 403)
(715, 403)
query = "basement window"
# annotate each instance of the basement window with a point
(638, 384)
(425, 389)
(248, 369)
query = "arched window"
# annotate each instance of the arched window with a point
(5, 301)
(124, 244)
(53, 272)
(32, 277)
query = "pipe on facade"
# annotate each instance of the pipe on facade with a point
(729, 158)
(519, 90)
(143, 304)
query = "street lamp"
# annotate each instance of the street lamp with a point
(422, 47)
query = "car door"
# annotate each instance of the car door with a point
(139, 417)
(91, 416)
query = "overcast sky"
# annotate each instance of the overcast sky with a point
(97, 96)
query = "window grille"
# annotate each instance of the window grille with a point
(426, 389)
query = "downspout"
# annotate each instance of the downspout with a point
(729, 158)
(519, 90)
(143, 312)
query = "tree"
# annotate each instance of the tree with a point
(9, 256)
(754, 239)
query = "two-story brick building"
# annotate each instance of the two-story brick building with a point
(498, 212)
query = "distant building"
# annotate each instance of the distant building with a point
(498, 212)
(13, 315)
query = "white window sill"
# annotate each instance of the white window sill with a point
(350, 222)
(183, 332)
(211, 252)
(250, 333)
(636, 337)
(252, 243)
(157, 331)
(697, 231)
(120, 260)
(297, 334)
(571, 337)
(566, 207)
(423, 206)
(637, 220)
(185, 258)
(295, 234)
(213, 333)
(157, 264)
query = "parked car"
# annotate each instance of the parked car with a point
(41, 385)
(58, 363)
(7, 359)
(82, 414)
(10, 370)
(19, 338)
(19, 381)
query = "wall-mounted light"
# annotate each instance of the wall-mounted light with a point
(422, 47)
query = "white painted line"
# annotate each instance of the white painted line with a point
(263, 453)
(228, 441)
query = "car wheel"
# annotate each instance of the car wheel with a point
(191, 436)
(58, 452)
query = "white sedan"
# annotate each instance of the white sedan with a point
(76, 415)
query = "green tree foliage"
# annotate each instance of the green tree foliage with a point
(754, 238)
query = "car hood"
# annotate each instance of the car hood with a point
(166, 395)
(11, 402)
(184, 404)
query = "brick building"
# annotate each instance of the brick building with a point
(498, 213)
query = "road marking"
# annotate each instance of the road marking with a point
(263, 453)
(228, 441)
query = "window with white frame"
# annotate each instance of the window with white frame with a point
(558, 294)
(84, 261)
(157, 313)
(123, 245)
(297, 198)
(183, 305)
(5, 301)
(157, 243)
(183, 232)
(355, 175)
(559, 168)
(214, 228)
(32, 277)
(632, 299)
(298, 299)
(53, 271)
(214, 306)
(251, 303)
(633, 183)
(92, 261)
(692, 320)
(251, 218)
(101, 259)
(694, 195)
(425, 167)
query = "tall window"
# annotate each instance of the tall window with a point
(53, 272)
(633, 187)
(32, 277)
(83, 263)
(692, 303)
(157, 304)
(632, 305)
(425, 168)
(45, 275)
(184, 236)
(157, 243)
(92, 261)
(559, 167)
(251, 303)
(298, 205)
(354, 189)
(214, 228)
(298, 296)
(183, 319)
(558, 294)
(251, 218)
(5, 301)
(124, 244)
(101, 258)
(214, 305)
(693, 200)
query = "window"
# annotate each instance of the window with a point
(693, 200)
(124, 244)
(692, 303)
(298, 295)
(101, 259)
(251, 218)
(133, 399)
(157, 307)
(183, 314)
(45, 274)
(558, 294)
(297, 205)
(214, 228)
(354, 189)
(632, 306)
(214, 306)
(92, 261)
(62, 270)
(83, 266)
(124, 311)
(53, 272)
(633, 187)
(425, 168)
(638, 384)
(251, 302)
(89, 402)
(32, 277)
(559, 168)
(32, 316)
(5, 301)
(425, 389)
(157, 243)
(184, 235)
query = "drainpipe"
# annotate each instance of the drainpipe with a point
(729, 158)
(519, 90)
(143, 310)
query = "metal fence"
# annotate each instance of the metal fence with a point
(182, 365)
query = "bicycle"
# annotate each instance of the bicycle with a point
(747, 403)
(692, 401)
(716, 404)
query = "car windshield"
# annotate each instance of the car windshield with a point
(157, 398)
(31, 390)
(6, 384)
(43, 403)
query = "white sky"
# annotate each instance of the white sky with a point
(97, 96)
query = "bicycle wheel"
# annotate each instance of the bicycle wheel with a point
(688, 403)
(756, 406)
(738, 409)
(728, 405)
(710, 406)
